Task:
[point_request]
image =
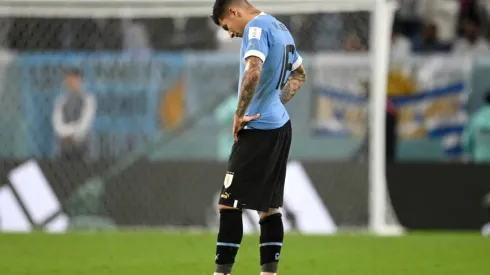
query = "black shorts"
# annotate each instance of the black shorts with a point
(257, 169)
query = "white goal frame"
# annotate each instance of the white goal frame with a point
(382, 11)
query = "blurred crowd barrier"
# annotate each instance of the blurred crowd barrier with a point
(139, 97)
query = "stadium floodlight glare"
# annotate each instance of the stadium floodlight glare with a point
(382, 13)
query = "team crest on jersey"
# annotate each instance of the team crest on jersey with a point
(254, 33)
(228, 179)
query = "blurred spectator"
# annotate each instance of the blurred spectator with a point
(472, 41)
(428, 42)
(476, 136)
(353, 43)
(443, 13)
(73, 115)
(400, 45)
(358, 23)
(306, 34)
(327, 32)
(407, 18)
(135, 38)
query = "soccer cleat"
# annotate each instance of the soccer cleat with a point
(222, 273)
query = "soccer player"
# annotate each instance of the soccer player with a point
(271, 72)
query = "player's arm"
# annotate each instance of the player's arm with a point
(250, 81)
(294, 83)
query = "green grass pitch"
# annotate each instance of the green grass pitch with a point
(151, 253)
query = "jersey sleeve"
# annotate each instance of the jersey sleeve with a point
(257, 41)
(297, 61)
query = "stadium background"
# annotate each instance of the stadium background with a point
(174, 81)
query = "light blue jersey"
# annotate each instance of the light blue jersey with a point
(269, 40)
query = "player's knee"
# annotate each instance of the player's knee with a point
(271, 211)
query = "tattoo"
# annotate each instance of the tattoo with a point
(250, 81)
(294, 83)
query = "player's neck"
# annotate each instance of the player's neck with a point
(251, 14)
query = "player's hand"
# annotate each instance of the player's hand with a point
(240, 122)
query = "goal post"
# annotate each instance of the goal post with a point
(381, 19)
(378, 196)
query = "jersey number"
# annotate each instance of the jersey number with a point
(286, 66)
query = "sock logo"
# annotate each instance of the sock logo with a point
(277, 256)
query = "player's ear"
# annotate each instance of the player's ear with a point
(233, 12)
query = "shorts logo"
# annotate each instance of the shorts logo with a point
(228, 179)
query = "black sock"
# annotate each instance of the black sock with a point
(271, 237)
(229, 239)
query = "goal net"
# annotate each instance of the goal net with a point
(118, 113)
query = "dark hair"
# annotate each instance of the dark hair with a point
(218, 9)
(74, 71)
(220, 6)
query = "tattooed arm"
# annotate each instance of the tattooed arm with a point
(294, 83)
(250, 81)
